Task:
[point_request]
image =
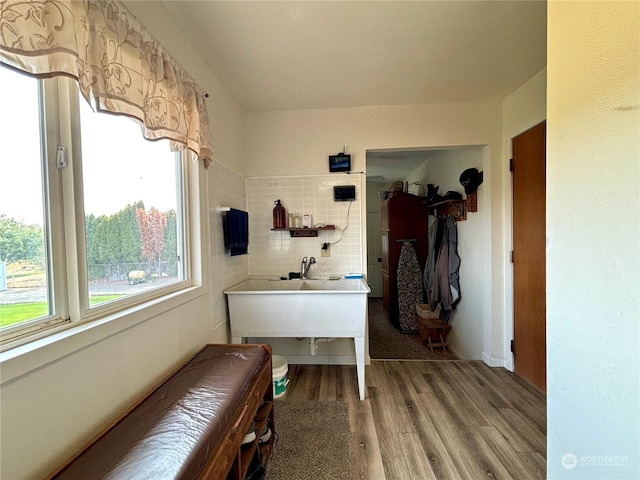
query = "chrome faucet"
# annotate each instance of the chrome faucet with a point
(305, 266)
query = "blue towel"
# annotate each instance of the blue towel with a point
(236, 232)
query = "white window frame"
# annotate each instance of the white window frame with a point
(72, 317)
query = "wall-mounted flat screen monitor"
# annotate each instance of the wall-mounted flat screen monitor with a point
(344, 193)
(340, 163)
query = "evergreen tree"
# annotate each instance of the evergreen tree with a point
(170, 252)
(90, 224)
(130, 242)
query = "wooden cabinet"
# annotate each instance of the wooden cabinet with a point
(403, 217)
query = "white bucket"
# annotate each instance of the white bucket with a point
(280, 381)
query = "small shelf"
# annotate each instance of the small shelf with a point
(303, 232)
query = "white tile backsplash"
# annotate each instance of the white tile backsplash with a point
(276, 253)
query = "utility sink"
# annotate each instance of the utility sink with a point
(301, 308)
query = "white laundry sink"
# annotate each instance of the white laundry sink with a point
(301, 308)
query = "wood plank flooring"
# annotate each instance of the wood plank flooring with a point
(434, 419)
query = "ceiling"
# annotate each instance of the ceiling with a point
(323, 54)
(294, 55)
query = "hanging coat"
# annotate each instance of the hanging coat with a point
(440, 287)
(409, 287)
(432, 253)
(454, 261)
(446, 283)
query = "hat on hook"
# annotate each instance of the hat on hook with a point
(471, 179)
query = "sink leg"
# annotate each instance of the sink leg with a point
(359, 342)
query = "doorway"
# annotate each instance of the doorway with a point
(529, 255)
(417, 167)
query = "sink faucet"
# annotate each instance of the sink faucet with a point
(305, 266)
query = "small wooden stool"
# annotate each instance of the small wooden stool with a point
(433, 333)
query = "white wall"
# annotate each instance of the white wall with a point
(55, 399)
(298, 142)
(444, 169)
(593, 240)
(523, 109)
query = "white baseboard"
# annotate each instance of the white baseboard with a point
(493, 361)
(509, 364)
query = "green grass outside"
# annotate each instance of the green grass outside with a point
(20, 312)
(28, 273)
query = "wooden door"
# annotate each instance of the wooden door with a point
(529, 259)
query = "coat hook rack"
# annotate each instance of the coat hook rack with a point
(454, 208)
(221, 210)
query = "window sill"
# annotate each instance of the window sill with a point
(22, 359)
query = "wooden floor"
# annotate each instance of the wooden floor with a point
(434, 419)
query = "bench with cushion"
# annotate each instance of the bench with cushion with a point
(192, 425)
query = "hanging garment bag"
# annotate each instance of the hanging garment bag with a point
(409, 287)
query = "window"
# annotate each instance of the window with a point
(24, 261)
(131, 199)
(102, 233)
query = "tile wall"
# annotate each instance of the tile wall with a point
(226, 188)
(276, 253)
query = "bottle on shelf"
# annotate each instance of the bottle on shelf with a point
(279, 215)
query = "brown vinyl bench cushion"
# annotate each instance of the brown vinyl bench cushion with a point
(173, 431)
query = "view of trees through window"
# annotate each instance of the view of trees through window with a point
(132, 239)
(130, 203)
(131, 198)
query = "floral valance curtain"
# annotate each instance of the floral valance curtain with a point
(119, 66)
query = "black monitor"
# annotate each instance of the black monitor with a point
(340, 163)
(344, 193)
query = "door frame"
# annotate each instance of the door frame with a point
(374, 254)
